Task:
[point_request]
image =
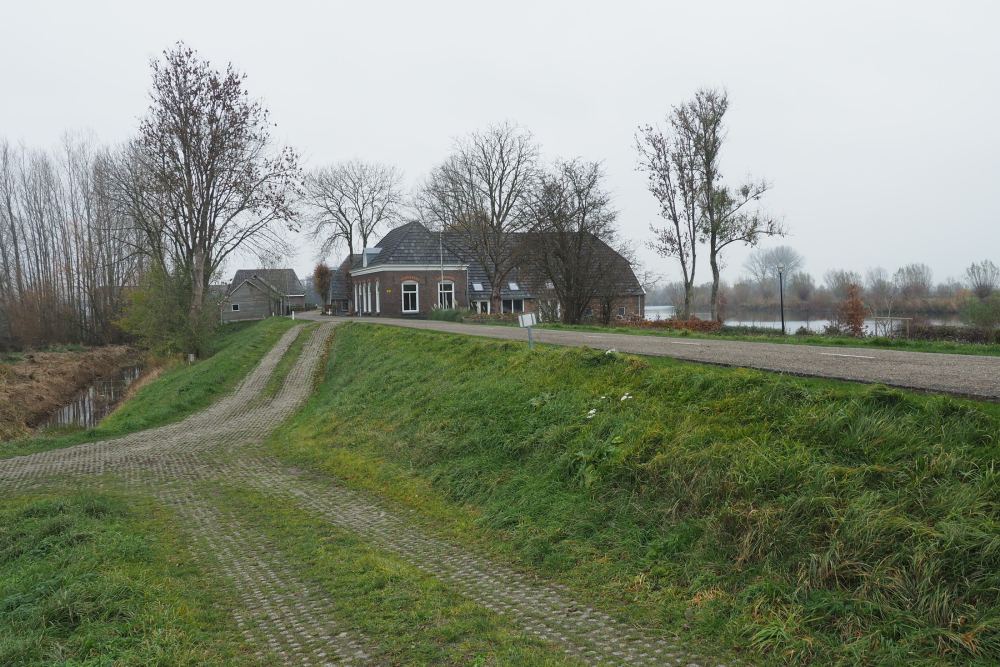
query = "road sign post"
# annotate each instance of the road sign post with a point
(528, 320)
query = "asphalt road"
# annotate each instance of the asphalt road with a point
(957, 374)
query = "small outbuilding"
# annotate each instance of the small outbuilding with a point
(258, 293)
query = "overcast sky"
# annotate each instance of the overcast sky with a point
(877, 122)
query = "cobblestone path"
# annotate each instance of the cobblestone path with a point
(282, 614)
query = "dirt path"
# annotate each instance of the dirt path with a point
(956, 374)
(283, 614)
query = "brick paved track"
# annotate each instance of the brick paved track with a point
(283, 614)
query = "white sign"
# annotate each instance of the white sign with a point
(527, 319)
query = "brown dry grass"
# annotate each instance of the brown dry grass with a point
(32, 389)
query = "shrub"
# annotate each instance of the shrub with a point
(982, 312)
(696, 325)
(447, 314)
(852, 312)
(483, 318)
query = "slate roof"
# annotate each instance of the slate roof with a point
(338, 281)
(282, 281)
(413, 243)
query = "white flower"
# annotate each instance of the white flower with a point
(590, 415)
(611, 351)
(627, 395)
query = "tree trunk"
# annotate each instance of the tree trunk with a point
(688, 300)
(713, 259)
(197, 290)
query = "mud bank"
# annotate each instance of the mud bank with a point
(33, 389)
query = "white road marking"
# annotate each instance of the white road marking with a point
(855, 356)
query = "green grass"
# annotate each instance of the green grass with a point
(99, 579)
(880, 342)
(179, 391)
(794, 520)
(416, 619)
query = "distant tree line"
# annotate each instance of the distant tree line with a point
(68, 252)
(908, 291)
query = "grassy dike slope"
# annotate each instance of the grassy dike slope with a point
(796, 520)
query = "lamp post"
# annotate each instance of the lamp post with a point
(781, 292)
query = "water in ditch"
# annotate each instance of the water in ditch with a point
(96, 402)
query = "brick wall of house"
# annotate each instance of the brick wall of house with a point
(390, 286)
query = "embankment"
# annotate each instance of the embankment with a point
(796, 521)
(33, 388)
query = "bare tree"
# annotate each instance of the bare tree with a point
(763, 263)
(838, 280)
(881, 291)
(983, 278)
(569, 243)
(484, 190)
(727, 215)
(348, 203)
(914, 280)
(203, 178)
(65, 256)
(670, 169)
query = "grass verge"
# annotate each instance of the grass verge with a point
(99, 579)
(879, 342)
(179, 391)
(795, 520)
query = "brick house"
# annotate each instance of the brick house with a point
(413, 270)
(258, 293)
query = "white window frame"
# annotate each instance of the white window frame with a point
(368, 298)
(442, 292)
(416, 295)
(236, 307)
(378, 301)
(513, 303)
(621, 311)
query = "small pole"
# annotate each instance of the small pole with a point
(781, 292)
(531, 343)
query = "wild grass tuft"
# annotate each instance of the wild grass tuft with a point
(99, 579)
(801, 520)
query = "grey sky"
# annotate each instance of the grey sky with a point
(876, 121)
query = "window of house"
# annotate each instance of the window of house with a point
(410, 297)
(368, 298)
(549, 284)
(478, 287)
(590, 312)
(236, 306)
(446, 294)
(345, 304)
(378, 300)
(513, 286)
(513, 305)
(481, 307)
(621, 310)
